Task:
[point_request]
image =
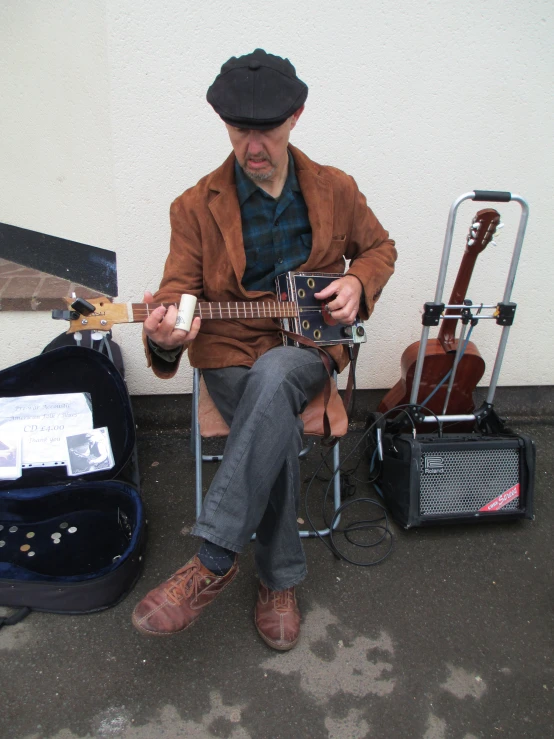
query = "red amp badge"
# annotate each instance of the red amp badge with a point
(502, 500)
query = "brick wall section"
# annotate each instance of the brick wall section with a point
(22, 288)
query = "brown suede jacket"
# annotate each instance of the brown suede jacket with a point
(207, 259)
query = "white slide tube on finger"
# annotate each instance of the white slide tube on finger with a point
(185, 313)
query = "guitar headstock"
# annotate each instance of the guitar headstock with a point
(482, 230)
(103, 317)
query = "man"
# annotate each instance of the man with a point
(267, 210)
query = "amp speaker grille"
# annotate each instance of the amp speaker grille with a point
(465, 481)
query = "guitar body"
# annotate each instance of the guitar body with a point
(313, 321)
(438, 363)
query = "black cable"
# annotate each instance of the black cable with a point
(363, 525)
(360, 525)
(348, 474)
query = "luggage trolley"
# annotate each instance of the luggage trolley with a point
(433, 478)
(503, 312)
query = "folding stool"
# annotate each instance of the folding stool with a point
(208, 423)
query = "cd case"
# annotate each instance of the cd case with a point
(88, 452)
(10, 457)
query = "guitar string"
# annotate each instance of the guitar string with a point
(148, 306)
(244, 312)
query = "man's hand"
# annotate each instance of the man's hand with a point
(346, 304)
(160, 326)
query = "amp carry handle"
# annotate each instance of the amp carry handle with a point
(479, 196)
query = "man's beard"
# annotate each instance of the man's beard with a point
(259, 176)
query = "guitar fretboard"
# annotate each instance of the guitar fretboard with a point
(141, 311)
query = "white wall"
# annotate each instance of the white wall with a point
(104, 121)
(56, 160)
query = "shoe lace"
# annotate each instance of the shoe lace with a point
(188, 581)
(283, 600)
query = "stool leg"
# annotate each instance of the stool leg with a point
(197, 440)
(306, 533)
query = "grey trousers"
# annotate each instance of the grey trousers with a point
(257, 485)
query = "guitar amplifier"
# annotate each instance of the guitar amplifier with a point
(457, 478)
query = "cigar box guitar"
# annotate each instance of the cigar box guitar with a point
(299, 312)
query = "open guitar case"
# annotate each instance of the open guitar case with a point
(481, 473)
(98, 563)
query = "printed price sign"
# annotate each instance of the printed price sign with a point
(43, 423)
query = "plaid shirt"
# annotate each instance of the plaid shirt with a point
(276, 232)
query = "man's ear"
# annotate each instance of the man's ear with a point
(295, 116)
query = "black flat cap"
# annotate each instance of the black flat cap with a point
(258, 90)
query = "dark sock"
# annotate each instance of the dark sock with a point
(217, 559)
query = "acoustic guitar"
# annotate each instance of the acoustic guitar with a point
(440, 352)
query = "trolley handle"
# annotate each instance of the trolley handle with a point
(492, 196)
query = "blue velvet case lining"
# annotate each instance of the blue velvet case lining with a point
(107, 516)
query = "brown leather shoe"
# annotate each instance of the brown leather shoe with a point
(176, 604)
(277, 617)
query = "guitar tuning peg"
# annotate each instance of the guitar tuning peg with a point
(497, 233)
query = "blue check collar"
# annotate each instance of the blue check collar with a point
(247, 187)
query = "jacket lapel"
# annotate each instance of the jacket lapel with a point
(224, 206)
(318, 196)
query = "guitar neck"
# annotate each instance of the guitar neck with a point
(141, 311)
(447, 333)
(481, 232)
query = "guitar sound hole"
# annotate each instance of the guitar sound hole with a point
(305, 324)
(317, 334)
(301, 293)
(311, 282)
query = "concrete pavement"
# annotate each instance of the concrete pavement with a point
(449, 638)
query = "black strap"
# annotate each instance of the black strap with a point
(15, 618)
(348, 398)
